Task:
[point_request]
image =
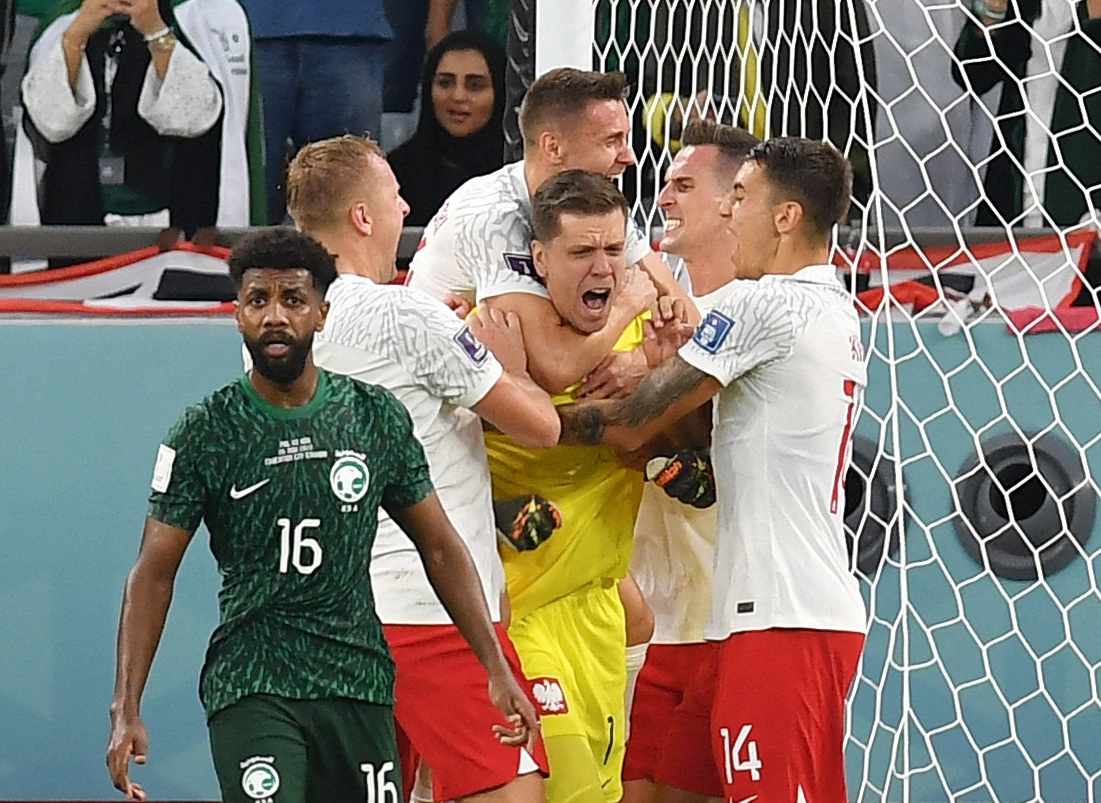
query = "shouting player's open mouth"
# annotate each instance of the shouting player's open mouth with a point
(596, 300)
(596, 303)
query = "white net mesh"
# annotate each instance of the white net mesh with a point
(972, 489)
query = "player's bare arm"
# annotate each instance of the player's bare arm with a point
(616, 377)
(452, 574)
(522, 410)
(690, 431)
(621, 372)
(671, 390)
(144, 609)
(558, 355)
(515, 405)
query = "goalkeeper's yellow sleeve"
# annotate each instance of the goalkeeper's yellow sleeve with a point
(573, 774)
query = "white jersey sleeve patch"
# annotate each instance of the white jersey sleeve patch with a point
(477, 353)
(743, 331)
(496, 251)
(713, 331)
(162, 470)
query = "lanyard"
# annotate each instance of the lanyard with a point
(110, 69)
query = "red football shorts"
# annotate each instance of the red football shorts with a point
(670, 741)
(778, 721)
(443, 707)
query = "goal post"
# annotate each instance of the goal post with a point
(566, 30)
(972, 497)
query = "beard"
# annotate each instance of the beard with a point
(280, 370)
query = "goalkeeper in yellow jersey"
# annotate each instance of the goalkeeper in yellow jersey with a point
(567, 618)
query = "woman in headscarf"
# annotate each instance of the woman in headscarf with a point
(459, 134)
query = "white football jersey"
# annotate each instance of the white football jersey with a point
(787, 350)
(478, 245)
(671, 562)
(675, 549)
(415, 347)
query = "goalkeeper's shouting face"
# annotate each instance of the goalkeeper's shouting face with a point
(580, 221)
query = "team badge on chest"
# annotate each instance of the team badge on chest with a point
(349, 479)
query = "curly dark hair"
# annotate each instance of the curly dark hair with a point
(282, 248)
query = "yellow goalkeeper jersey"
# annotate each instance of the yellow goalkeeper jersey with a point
(597, 496)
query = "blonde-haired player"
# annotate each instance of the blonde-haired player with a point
(343, 193)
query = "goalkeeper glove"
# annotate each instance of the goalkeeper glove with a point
(686, 476)
(526, 521)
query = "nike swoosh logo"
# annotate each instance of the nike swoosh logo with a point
(748, 799)
(243, 492)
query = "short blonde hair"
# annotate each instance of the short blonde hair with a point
(324, 176)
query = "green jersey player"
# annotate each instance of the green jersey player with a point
(288, 467)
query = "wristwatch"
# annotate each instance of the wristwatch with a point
(162, 41)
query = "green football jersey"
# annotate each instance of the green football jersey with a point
(291, 499)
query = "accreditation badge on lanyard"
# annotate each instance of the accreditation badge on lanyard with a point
(112, 168)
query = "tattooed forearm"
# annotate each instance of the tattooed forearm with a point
(582, 423)
(668, 383)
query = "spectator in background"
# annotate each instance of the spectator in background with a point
(137, 111)
(320, 65)
(1046, 153)
(418, 25)
(459, 135)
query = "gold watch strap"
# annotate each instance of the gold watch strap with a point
(163, 43)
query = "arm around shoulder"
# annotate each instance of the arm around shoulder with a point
(514, 404)
(671, 391)
(521, 410)
(558, 356)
